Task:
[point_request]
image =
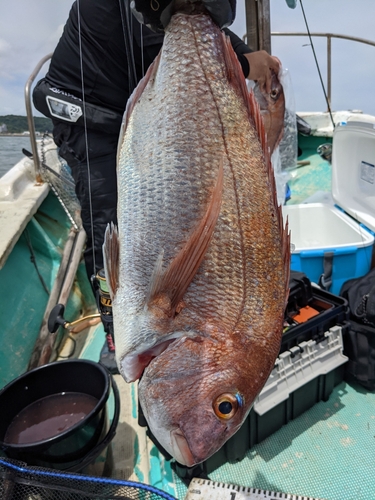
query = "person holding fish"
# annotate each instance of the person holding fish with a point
(115, 51)
(257, 65)
(103, 54)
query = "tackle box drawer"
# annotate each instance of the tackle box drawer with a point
(310, 312)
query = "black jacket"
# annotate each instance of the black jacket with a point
(107, 28)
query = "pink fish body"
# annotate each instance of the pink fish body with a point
(198, 269)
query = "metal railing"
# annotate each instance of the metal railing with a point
(329, 37)
(30, 116)
(32, 77)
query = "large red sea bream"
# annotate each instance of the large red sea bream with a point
(198, 268)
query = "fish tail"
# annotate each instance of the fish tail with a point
(134, 98)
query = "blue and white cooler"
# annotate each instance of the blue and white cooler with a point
(332, 243)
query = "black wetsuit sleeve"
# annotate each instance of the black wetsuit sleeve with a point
(240, 49)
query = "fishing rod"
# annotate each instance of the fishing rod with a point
(98, 280)
(317, 64)
(127, 28)
(85, 128)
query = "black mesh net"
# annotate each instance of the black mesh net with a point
(55, 171)
(20, 482)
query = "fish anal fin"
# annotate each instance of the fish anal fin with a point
(138, 91)
(181, 271)
(111, 252)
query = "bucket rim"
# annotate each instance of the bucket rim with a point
(71, 430)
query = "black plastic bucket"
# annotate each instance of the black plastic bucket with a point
(80, 444)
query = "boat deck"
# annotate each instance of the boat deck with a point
(326, 453)
(312, 182)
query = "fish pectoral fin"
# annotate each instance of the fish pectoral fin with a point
(111, 252)
(134, 363)
(174, 281)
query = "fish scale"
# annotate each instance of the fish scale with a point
(201, 283)
(163, 209)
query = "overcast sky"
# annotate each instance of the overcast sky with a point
(30, 29)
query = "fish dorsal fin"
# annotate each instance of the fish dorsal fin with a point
(237, 79)
(111, 252)
(255, 115)
(174, 281)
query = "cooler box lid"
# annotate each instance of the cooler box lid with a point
(353, 170)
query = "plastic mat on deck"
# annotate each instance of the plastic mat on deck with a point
(328, 452)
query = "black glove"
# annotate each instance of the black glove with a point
(222, 12)
(156, 14)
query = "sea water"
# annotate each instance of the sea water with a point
(11, 151)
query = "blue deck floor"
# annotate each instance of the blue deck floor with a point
(313, 179)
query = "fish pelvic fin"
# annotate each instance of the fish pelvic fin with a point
(111, 252)
(174, 281)
(237, 79)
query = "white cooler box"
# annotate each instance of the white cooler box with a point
(333, 243)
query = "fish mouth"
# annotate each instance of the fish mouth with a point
(181, 450)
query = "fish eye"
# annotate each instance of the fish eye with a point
(274, 94)
(225, 406)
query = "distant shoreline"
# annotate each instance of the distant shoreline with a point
(16, 134)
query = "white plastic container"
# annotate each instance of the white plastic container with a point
(335, 242)
(300, 365)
